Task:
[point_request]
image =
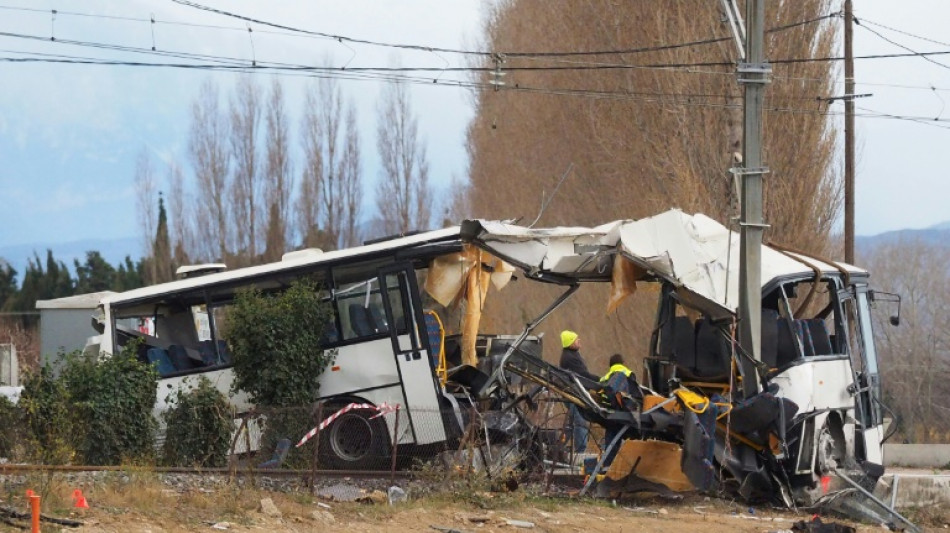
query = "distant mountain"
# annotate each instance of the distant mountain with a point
(938, 235)
(113, 250)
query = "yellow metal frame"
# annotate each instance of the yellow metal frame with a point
(441, 370)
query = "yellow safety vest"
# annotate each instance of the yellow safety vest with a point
(616, 368)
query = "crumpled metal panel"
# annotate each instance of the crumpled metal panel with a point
(694, 252)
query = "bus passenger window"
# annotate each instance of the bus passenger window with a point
(359, 307)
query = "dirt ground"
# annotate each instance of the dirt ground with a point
(146, 505)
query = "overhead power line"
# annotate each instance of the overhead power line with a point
(902, 32)
(901, 46)
(424, 48)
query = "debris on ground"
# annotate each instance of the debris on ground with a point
(324, 517)
(397, 495)
(815, 525)
(269, 509)
(10, 516)
(446, 529)
(341, 492)
(519, 523)
(376, 496)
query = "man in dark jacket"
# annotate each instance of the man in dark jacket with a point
(571, 360)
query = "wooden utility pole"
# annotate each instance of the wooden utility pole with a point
(753, 74)
(848, 136)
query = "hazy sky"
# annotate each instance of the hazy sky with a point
(70, 134)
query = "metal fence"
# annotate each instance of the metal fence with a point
(361, 437)
(528, 438)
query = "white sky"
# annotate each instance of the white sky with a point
(69, 134)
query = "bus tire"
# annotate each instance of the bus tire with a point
(355, 441)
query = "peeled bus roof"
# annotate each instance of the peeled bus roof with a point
(693, 252)
(222, 278)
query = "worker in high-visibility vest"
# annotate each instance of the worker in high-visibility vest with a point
(620, 391)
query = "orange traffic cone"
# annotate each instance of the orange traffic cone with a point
(79, 501)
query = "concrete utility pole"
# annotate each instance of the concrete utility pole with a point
(848, 136)
(753, 74)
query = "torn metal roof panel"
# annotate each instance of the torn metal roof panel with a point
(694, 252)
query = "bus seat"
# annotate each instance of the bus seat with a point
(163, 364)
(787, 342)
(713, 353)
(805, 333)
(181, 359)
(207, 353)
(770, 337)
(379, 318)
(361, 321)
(819, 336)
(684, 342)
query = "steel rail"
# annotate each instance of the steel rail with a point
(6, 469)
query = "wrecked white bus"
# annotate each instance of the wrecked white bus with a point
(818, 413)
(383, 354)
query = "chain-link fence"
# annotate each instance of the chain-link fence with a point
(527, 436)
(363, 437)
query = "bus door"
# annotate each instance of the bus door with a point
(867, 384)
(404, 314)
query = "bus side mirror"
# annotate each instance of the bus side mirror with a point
(875, 296)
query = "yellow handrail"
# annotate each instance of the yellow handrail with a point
(441, 370)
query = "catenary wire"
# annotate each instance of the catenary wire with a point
(235, 65)
(298, 33)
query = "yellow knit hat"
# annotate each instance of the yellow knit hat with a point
(567, 338)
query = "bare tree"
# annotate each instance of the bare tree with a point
(311, 177)
(915, 357)
(331, 181)
(279, 182)
(209, 157)
(146, 202)
(403, 197)
(351, 183)
(329, 113)
(245, 114)
(458, 206)
(181, 230)
(643, 140)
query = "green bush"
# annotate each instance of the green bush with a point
(11, 429)
(199, 426)
(95, 412)
(275, 345)
(112, 399)
(50, 425)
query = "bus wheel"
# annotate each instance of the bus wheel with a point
(354, 441)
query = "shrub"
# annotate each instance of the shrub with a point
(11, 429)
(100, 411)
(50, 424)
(112, 399)
(199, 426)
(275, 344)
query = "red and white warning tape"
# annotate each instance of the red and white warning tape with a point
(382, 409)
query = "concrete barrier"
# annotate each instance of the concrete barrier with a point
(905, 490)
(917, 455)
